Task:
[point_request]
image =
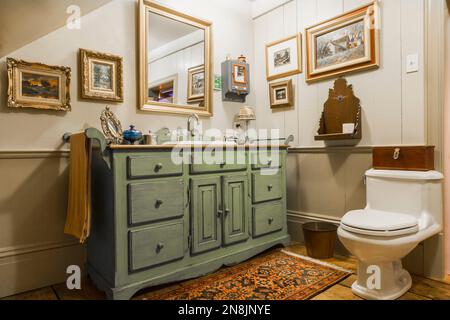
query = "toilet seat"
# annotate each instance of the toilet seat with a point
(379, 223)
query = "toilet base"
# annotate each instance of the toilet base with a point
(393, 283)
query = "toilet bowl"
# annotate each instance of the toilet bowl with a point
(403, 209)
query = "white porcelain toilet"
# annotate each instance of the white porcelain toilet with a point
(403, 209)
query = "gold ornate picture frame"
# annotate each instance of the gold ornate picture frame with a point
(101, 76)
(111, 126)
(37, 85)
(281, 94)
(284, 57)
(196, 84)
(344, 44)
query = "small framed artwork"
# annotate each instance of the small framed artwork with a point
(347, 43)
(196, 84)
(37, 85)
(284, 58)
(281, 94)
(101, 76)
(239, 74)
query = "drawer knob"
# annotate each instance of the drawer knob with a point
(270, 220)
(270, 187)
(158, 167)
(158, 203)
(222, 164)
(396, 155)
(269, 162)
(159, 247)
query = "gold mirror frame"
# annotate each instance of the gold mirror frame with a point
(145, 7)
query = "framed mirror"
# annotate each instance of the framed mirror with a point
(175, 61)
(111, 126)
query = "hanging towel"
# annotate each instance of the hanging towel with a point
(78, 220)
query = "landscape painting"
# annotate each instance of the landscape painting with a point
(37, 85)
(340, 46)
(198, 83)
(102, 76)
(344, 44)
(40, 86)
(281, 94)
(282, 57)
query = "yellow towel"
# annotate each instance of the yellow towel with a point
(78, 220)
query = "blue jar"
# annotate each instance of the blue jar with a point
(132, 135)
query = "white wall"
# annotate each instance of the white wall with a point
(392, 101)
(112, 29)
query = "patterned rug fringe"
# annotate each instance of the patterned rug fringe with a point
(326, 264)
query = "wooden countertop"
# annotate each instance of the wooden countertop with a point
(203, 146)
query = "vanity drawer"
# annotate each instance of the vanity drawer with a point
(219, 161)
(266, 187)
(263, 159)
(156, 245)
(153, 201)
(157, 165)
(267, 218)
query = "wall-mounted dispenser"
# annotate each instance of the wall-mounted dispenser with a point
(235, 80)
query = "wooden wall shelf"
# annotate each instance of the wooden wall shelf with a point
(341, 107)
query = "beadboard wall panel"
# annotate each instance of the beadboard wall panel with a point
(34, 251)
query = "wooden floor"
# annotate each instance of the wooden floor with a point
(422, 288)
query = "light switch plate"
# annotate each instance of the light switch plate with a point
(412, 63)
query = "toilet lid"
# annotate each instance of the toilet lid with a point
(379, 223)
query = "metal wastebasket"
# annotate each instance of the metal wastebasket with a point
(320, 239)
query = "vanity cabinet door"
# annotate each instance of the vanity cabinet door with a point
(206, 213)
(236, 209)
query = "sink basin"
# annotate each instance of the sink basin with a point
(207, 143)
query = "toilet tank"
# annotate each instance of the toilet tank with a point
(412, 192)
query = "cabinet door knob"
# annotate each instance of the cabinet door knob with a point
(227, 212)
(222, 164)
(158, 203)
(159, 247)
(269, 162)
(270, 187)
(158, 167)
(270, 220)
(219, 213)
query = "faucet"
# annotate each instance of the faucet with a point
(190, 127)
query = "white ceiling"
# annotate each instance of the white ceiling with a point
(163, 30)
(23, 21)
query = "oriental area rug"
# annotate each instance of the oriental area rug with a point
(277, 275)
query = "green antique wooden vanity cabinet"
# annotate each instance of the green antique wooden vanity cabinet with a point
(155, 221)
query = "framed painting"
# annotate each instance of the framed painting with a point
(281, 94)
(347, 43)
(101, 76)
(37, 85)
(284, 58)
(196, 84)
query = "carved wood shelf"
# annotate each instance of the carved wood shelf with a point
(341, 107)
